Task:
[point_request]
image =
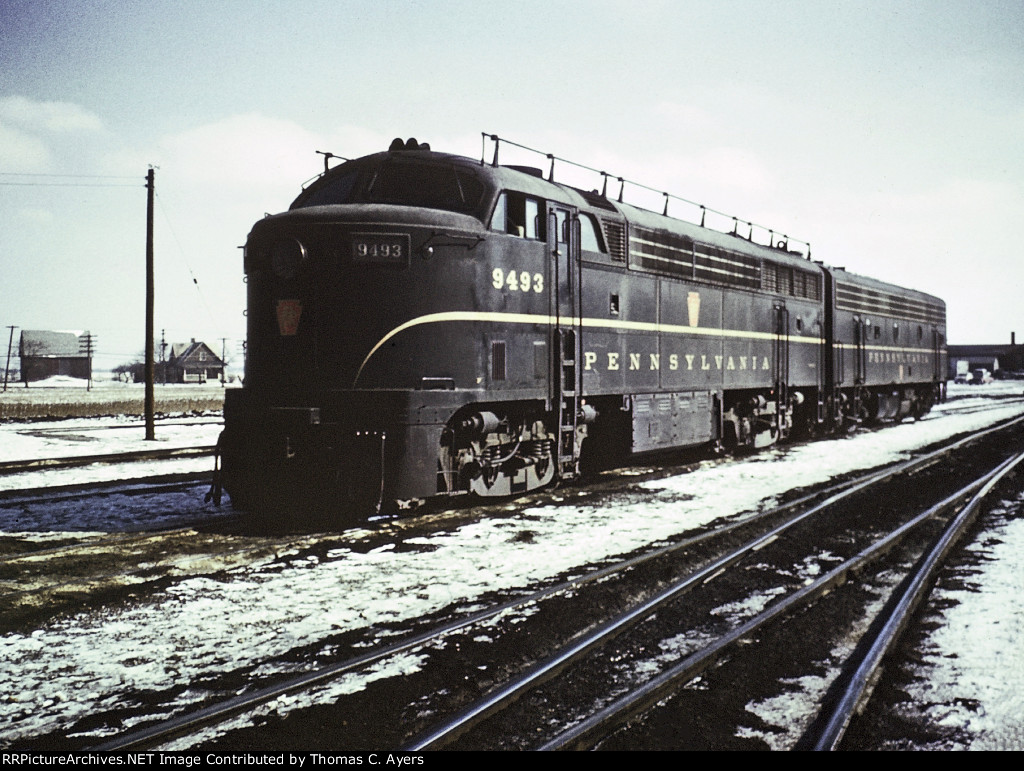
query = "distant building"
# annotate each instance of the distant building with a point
(999, 359)
(193, 363)
(46, 354)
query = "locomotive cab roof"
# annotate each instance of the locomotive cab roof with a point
(410, 174)
(404, 177)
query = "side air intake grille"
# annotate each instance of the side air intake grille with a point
(615, 237)
(498, 360)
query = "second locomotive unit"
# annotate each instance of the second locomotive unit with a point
(423, 324)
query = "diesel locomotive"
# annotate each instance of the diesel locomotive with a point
(425, 325)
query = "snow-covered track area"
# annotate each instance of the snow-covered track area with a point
(154, 503)
(209, 720)
(78, 451)
(684, 692)
(19, 466)
(214, 627)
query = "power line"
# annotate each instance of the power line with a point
(70, 176)
(57, 177)
(181, 254)
(65, 184)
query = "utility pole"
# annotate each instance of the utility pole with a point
(10, 342)
(150, 406)
(223, 360)
(86, 345)
(163, 356)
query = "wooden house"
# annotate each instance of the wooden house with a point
(193, 362)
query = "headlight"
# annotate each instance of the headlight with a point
(286, 256)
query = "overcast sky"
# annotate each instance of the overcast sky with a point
(888, 134)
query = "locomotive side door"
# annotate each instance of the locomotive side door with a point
(565, 385)
(860, 336)
(780, 356)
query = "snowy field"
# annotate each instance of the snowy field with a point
(74, 666)
(64, 397)
(75, 437)
(176, 426)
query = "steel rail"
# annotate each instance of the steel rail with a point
(858, 687)
(38, 464)
(497, 700)
(219, 712)
(490, 704)
(591, 730)
(160, 483)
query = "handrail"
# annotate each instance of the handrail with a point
(783, 239)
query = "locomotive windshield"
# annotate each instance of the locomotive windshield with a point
(401, 181)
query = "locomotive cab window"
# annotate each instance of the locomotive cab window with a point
(517, 215)
(431, 185)
(499, 217)
(335, 190)
(590, 241)
(402, 182)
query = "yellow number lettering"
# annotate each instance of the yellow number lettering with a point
(512, 280)
(498, 278)
(538, 282)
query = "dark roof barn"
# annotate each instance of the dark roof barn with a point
(46, 354)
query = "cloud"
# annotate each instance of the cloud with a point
(53, 117)
(685, 117)
(241, 152)
(732, 167)
(20, 152)
(38, 136)
(35, 216)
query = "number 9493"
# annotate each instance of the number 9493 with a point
(517, 280)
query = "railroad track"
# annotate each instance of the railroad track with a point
(67, 545)
(86, 490)
(956, 407)
(632, 702)
(458, 719)
(854, 687)
(83, 514)
(854, 683)
(75, 461)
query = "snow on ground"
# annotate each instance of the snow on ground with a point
(971, 677)
(101, 436)
(64, 381)
(77, 665)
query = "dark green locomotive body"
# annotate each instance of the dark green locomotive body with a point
(423, 325)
